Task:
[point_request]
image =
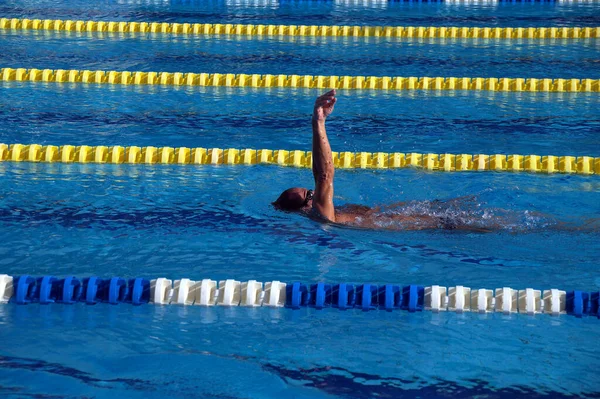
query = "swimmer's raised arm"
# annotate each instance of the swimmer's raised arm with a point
(323, 168)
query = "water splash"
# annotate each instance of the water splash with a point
(464, 213)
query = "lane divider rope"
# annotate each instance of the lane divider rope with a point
(299, 81)
(413, 298)
(303, 30)
(346, 160)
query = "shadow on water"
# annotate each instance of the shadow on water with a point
(175, 217)
(341, 382)
(20, 363)
(334, 381)
(446, 215)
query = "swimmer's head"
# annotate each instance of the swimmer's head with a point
(295, 199)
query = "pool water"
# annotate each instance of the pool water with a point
(216, 222)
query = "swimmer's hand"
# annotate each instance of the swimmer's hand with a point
(324, 106)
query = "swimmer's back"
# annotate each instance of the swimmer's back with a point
(350, 214)
(362, 216)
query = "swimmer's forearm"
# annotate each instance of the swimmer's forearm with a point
(323, 169)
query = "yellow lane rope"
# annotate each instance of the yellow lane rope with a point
(301, 81)
(303, 30)
(347, 160)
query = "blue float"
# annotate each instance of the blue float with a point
(297, 295)
(25, 287)
(71, 290)
(413, 297)
(390, 297)
(92, 290)
(343, 296)
(578, 303)
(320, 295)
(367, 297)
(47, 292)
(117, 290)
(595, 304)
(138, 292)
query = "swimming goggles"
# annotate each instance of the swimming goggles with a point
(309, 196)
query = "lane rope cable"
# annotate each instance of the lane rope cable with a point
(299, 81)
(429, 32)
(585, 165)
(45, 290)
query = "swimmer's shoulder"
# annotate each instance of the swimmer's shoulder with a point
(354, 209)
(351, 213)
(348, 214)
(345, 218)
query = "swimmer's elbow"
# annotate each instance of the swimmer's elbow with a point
(325, 215)
(324, 178)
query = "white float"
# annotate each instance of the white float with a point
(274, 294)
(206, 293)
(229, 293)
(183, 293)
(506, 300)
(530, 301)
(555, 302)
(482, 300)
(6, 288)
(252, 293)
(435, 298)
(161, 291)
(459, 299)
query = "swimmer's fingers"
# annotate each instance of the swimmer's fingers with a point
(326, 102)
(329, 96)
(330, 93)
(327, 109)
(332, 103)
(324, 105)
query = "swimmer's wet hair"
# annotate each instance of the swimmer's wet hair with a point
(289, 200)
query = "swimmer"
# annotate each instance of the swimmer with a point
(414, 215)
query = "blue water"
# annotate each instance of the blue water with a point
(439, 122)
(318, 12)
(290, 55)
(216, 222)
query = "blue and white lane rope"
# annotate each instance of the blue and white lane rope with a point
(413, 298)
